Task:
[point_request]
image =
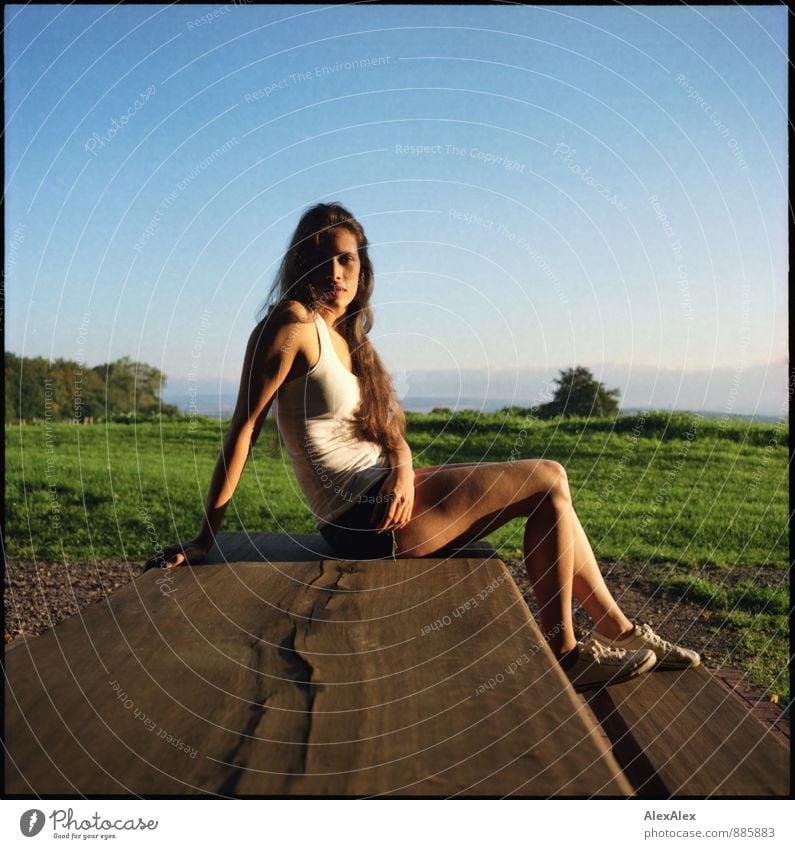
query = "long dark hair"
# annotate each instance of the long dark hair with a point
(380, 417)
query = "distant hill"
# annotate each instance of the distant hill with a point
(221, 405)
(755, 391)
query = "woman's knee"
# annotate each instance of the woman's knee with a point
(548, 479)
(560, 487)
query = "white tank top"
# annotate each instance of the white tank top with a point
(315, 415)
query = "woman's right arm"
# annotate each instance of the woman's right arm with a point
(270, 355)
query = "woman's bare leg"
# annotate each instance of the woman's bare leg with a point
(464, 502)
(549, 560)
(590, 590)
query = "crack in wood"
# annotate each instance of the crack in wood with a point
(302, 671)
(297, 670)
(258, 710)
(303, 667)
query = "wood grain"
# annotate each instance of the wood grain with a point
(302, 678)
(683, 734)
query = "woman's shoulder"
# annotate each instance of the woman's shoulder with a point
(283, 317)
(289, 312)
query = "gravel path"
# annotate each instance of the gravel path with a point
(38, 597)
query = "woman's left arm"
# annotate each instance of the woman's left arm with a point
(398, 490)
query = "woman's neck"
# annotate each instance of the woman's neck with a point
(334, 319)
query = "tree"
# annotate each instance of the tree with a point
(11, 387)
(37, 388)
(578, 393)
(133, 386)
(31, 394)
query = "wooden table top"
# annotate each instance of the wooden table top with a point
(322, 677)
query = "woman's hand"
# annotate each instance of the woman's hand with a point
(396, 500)
(181, 554)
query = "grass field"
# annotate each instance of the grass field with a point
(674, 494)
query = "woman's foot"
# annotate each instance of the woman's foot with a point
(596, 665)
(669, 656)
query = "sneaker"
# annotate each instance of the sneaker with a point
(597, 665)
(669, 656)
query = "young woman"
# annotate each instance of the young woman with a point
(343, 430)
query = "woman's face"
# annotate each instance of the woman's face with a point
(334, 278)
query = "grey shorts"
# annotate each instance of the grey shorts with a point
(353, 537)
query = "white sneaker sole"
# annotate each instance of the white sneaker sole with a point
(618, 677)
(675, 664)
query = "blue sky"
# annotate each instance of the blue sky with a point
(541, 186)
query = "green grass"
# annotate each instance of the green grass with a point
(719, 497)
(755, 615)
(677, 491)
(649, 495)
(766, 639)
(745, 596)
(114, 483)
